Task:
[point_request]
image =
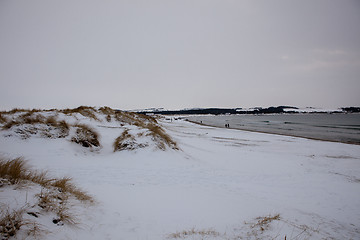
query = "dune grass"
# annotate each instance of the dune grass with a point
(3, 119)
(54, 196)
(86, 111)
(66, 185)
(32, 122)
(158, 134)
(51, 200)
(18, 171)
(20, 110)
(48, 127)
(107, 111)
(126, 141)
(263, 223)
(30, 118)
(26, 118)
(133, 118)
(86, 136)
(193, 233)
(161, 138)
(11, 221)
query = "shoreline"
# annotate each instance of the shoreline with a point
(280, 134)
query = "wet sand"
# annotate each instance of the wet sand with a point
(275, 133)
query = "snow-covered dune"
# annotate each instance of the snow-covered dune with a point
(197, 182)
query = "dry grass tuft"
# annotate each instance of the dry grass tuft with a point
(54, 197)
(34, 230)
(21, 110)
(108, 118)
(107, 111)
(193, 232)
(31, 122)
(26, 118)
(126, 141)
(147, 118)
(39, 177)
(120, 143)
(82, 195)
(63, 184)
(64, 215)
(10, 222)
(9, 125)
(86, 136)
(52, 121)
(51, 200)
(83, 110)
(263, 223)
(17, 170)
(266, 220)
(132, 118)
(158, 134)
(161, 138)
(16, 110)
(123, 117)
(47, 127)
(2, 119)
(64, 127)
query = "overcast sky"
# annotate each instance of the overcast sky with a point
(179, 53)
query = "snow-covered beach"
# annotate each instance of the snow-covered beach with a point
(220, 184)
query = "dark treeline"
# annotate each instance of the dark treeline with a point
(351, 109)
(217, 111)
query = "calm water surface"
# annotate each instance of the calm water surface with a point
(331, 127)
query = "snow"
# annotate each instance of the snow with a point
(220, 179)
(313, 110)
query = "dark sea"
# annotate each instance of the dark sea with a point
(336, 127)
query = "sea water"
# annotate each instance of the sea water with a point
(323, 126)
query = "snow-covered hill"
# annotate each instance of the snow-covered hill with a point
(160, 179)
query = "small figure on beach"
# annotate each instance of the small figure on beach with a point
(227, 125)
